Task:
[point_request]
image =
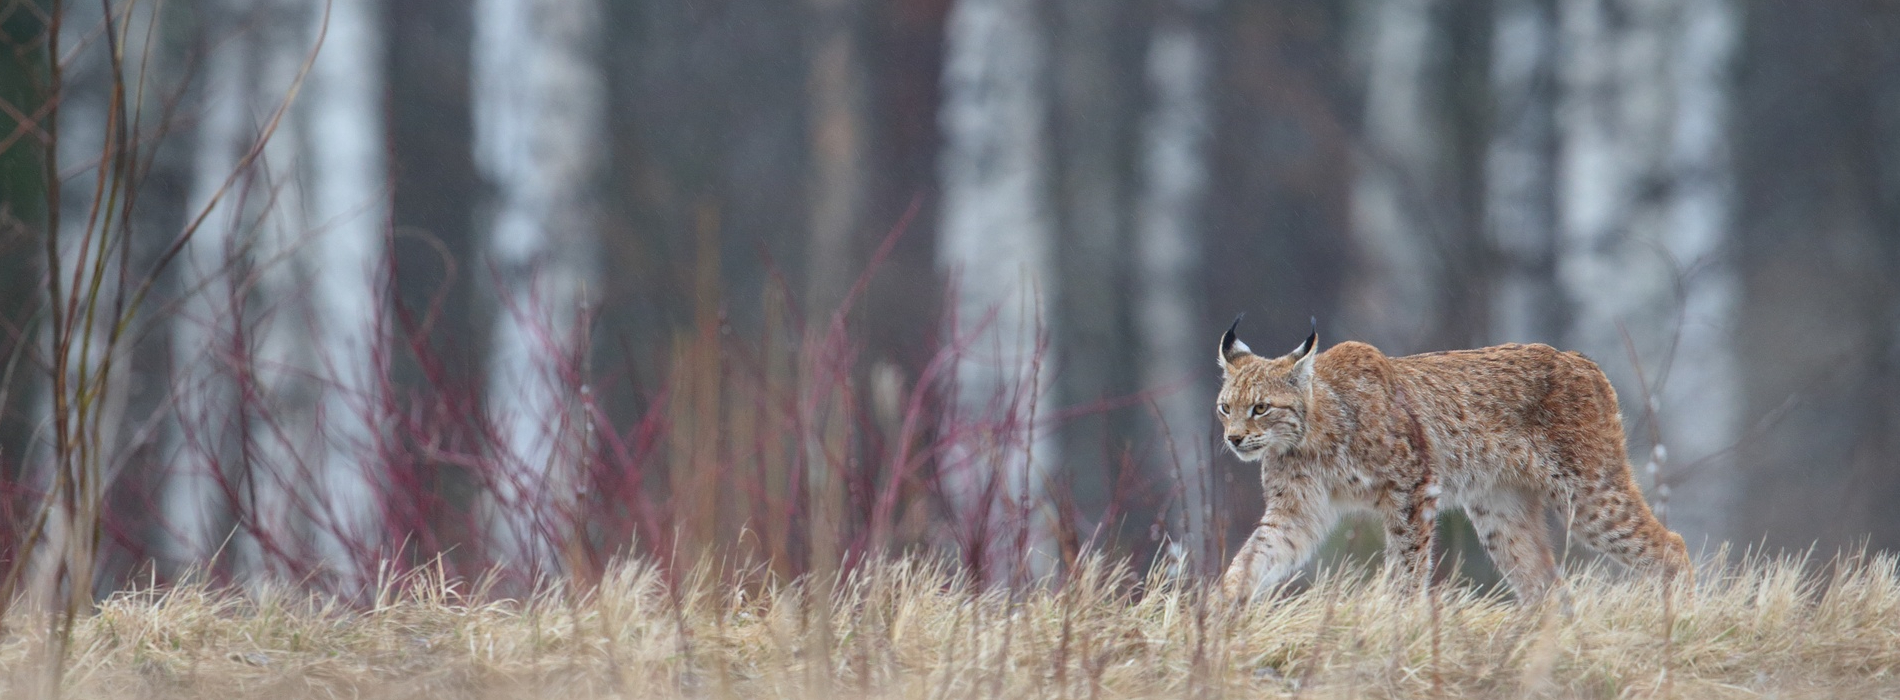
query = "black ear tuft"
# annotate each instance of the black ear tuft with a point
(1303, 357)
(1312, 341)
(1230, 346)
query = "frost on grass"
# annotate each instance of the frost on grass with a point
(915, 629)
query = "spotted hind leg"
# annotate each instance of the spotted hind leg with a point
(1610, 515)
(1510, 523)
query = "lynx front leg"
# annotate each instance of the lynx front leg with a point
(1411, 519)
(1295, 522)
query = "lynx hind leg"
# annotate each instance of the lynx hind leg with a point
(1593, 481)
(1510, 523)
(1611, 517)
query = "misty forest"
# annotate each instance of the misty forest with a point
(311, 293)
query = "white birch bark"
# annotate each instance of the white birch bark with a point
(1168, 263)
(277, 373)
(319, 250)
(1392, 298)
(994, 241)
(275, 353)
(540, 139)
(348, 208)
(1646, 186)
(196, 504)
(1520, 173)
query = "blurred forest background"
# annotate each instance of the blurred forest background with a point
(537, 281)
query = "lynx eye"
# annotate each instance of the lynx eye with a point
(1223, 409)
(1259, 409)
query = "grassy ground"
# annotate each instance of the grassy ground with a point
(1781, 628)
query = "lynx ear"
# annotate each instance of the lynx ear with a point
(1231, 348)
(1304, 354)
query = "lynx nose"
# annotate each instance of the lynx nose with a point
(1235, 440)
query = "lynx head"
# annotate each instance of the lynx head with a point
(1263, 401)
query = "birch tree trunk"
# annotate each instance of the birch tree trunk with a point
(1392, 297)
(349, 208)
(314, 310)
(1169, 228)
(1645, 186)
(994, 241)
(1520, 163)
(273, 358)
(277, 371)
(197, 501)
(540, 137)
(242, 384)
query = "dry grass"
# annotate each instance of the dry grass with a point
(1782, 628)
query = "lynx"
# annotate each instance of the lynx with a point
(1507, 432)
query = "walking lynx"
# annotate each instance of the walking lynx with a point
(1506, 432)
